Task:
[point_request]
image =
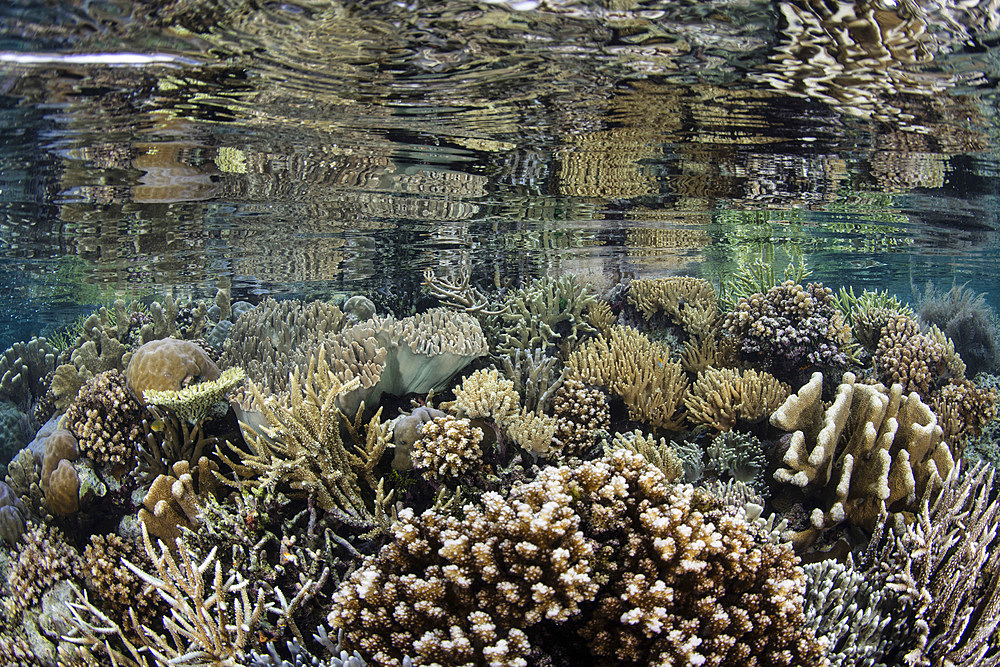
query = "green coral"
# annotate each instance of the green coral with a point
(196, 402)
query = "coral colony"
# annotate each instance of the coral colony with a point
(655, 473)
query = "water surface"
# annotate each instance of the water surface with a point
(314, 148)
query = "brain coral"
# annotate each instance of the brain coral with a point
(169, 364)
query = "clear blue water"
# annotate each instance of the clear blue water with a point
(318, 148)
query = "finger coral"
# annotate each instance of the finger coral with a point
(106, 419)
(447, 448)
(722, 396)
(689, 302)
(871, 451)
(639, 370)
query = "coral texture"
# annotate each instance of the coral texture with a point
(106, 419)
(447, 448)
(790, 328)
(873, 450)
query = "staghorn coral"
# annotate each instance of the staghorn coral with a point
(338, 656)
(447, 448)
(486, 393)
(197, 401)
(632, 366)
(722, 396)
(209, 625)
(944, 567)
(550, 314)
(106, 419)
(851, 613)
(582, 417)
(300, 446)
(871, 451)
(690, 303)
(790, 328)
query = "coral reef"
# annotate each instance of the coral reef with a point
(688, 302)
(447, 448)
(106, 419)
(582, 417)
(550, 314)
(639, 370)
(667, 581)
(196, 401)
(721, 397)
(169, 364)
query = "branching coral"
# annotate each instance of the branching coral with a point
(789, 328)
(722, 396)
(670, 584)
(447, 448)
(582, 416)
(301, 446)
(945, 566)
(550, 314)
(658, 452)
(23, 371)
(873, 449)
(106, 419)
(688, 302)
(209, 623)
(907, 356)
(487, 393)
(640, 371)
(43, 558)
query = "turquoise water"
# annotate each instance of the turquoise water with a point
(317, 148)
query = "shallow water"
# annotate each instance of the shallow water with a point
(315, 148)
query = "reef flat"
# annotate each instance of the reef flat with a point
(658, 472)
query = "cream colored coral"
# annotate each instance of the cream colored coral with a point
(872, 449)
(639, 370)
(447, 448)
(194, 403)
(658, 452)
(487, 393)
(533, 432)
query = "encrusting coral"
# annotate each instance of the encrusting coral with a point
(871, 451)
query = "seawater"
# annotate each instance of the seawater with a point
(317, 148)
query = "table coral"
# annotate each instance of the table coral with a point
(195, 402)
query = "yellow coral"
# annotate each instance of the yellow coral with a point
(487, 393)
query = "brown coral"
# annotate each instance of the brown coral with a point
(447, 448)
(106, 419)
(114, 586)
(722, 396)
(43, 558)
(963, 408)
(905, 355)
(689, 302)
(169, 364)
(639, 370)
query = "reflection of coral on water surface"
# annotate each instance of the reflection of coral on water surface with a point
(652, 472)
